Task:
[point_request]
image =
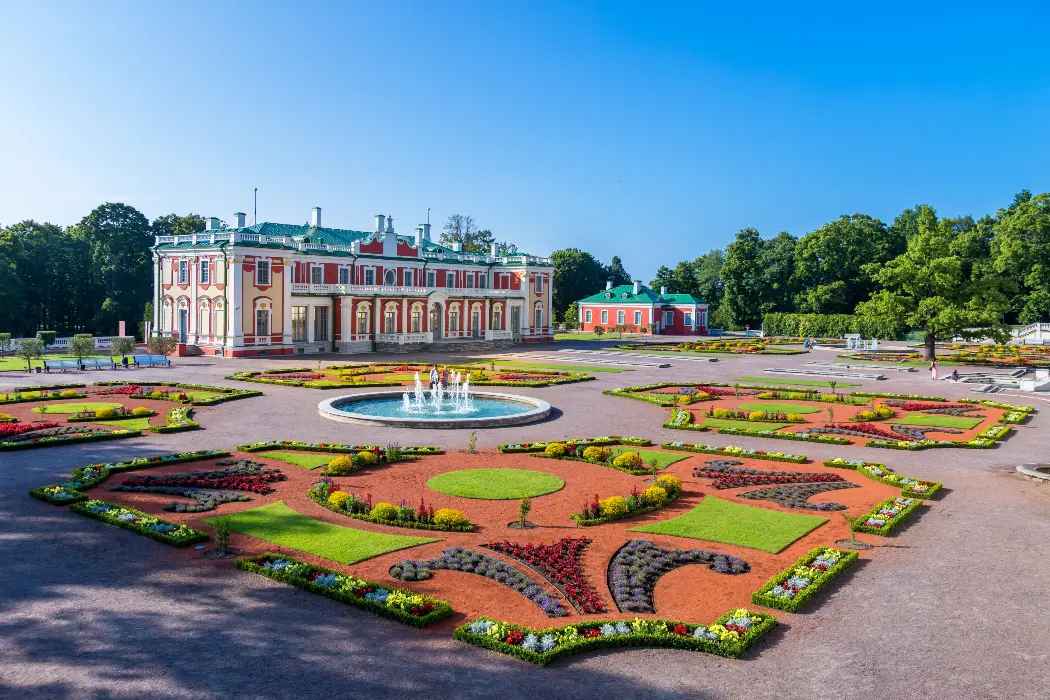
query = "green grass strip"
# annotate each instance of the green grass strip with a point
(128, 423)
(68, 408)
(794, 382)
(279, 524)
(939, 421)
(749, 424)
(773, 406)
(716, 520)
(300, 459)
(495, 484)
(663, 459)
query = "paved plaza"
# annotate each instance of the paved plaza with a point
(953, 607)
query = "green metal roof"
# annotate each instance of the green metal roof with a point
(624, 294)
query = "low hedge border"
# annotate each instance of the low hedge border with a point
(391, 523)
(611, 519)
(441, 608)
(53, 396)
(226, 393)
(178, 421)
(986, 439)
(820, 581)
(891, 523)
(47, 494)
(642, 471)
(67, 439)
(579, 643)
(257, 376)
(334, 447)
(733, 451)
(94, 474)
(603, 441)
(827, 440)
(1014, 413)
(48, 387)
(681, 419)
(891, 478)
(92, 419)
(187, 535)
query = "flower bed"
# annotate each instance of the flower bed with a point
(222, 393)
(798, 496)
(521, 447)
(110, 414)
(139, 522)
(639, 564)
(736, 452)
(886, 516)
(334, 447)
(398, 603)
(985, 439)
(800, 436)
(682, 419)
(4, 418)
(559, 563)
(726, 475)
(53, 440)
(915, 488)
(10, 430)
(459, 559)
(730, 636)
(209, 489)
(178, 420)
(607, 510)
(626, 462)
(1014, 413)
(756, 416)
(57, 495)
(327, 494)
(794, 586)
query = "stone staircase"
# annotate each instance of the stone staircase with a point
(446, 346)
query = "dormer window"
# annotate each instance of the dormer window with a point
(624, 295)
(608, 295)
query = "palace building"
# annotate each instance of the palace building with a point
(638, 306)
(283, 289)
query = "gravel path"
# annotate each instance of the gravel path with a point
(954, 607)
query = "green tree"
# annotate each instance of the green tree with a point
(461, 228)
(571, 317)
(82, 345)
(828, 262)
(123, 346)
(577, 274)
(742, 280)
(28, 349)
(777, 262)
(5, 343)
(616, 272)
(925, 287)
(1020, 251)
(175, 225)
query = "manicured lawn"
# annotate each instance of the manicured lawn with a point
(495, 484)
(201, 395)
(17, 364)
(716, 520)
(773, 406)
(939, 421)
(794, 382)
(306, 460)
(748, 424)
(64, 408)
(279, 524)
(663, 459)
(129, 424)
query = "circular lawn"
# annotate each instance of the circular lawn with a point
(495, 484)
(773, 406)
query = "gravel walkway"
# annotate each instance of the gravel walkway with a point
(954, 607)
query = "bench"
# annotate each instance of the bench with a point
(717, 332)
(151, 361)
(61, 365)
(97, 363)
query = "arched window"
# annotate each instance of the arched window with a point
(204, 318)
(417, 318)
(390, 318)
(262, 319)
(539, 316)
(497, 317)
(453, 318)
(362, 318)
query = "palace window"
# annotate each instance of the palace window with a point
(299, 323)
(453, 319)
(262, 322)
(344, 275)
(362, 320)
(605, 316)
(450, 279)
(539, 284)
(431, 278)
(262, 273)
(620, 316)
(483, 280)
(497, 318)
(417, 319)
(370, 276)
(637, 318)
(587, 316)
(316, 274)
(184, 272)
(320, 323)
(470, 280)
(409, 278)
(205, 272)
(390, 278)
(390, 321)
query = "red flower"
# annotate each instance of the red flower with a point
(514, 637)
(681, 630)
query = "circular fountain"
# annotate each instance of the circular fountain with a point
(452, 406)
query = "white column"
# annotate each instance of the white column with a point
(234, 310)
(286, 281)
(377, 312)
(157, 277)
(404, 316)
(195, 272)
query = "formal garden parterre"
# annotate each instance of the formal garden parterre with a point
(889, 421)
(419, 534)
(392, 374)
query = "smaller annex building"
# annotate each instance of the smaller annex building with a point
(638, 306)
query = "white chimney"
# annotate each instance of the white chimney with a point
(608, 284)
(379, 223)
(238, 219)
(419, 234)
(315, 217)
(426, 231)
(663, 290)
(494, 250)
(389, 224)
(458, 247)
(211, 223)
(637, 287)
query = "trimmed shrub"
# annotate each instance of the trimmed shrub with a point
(628, 460)
(669, 483)
(555, 449)
(338, 499)
(105, 413)
(364, 459)
(450, 517)
(69, 394)
(655, 495)
(340, 466)
(613, 506)
(384, 511)
(141, 411)
(596, 454)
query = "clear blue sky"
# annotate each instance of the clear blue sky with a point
(654, 134)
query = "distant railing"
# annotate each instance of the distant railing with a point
(101, 342)
(385, 290)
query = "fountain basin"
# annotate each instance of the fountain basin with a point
(490, 409)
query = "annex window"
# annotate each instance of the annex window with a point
(587, 316)
(370, 276)
(689, 320)
(262, 273)
(605, 316)
(184, 272)
(299, 323)
(320, 323)
(637, 318)
(262, 322)
(344, 275)
(620, 316)
(539, 317)
(539, 284)
(205, 272)
(668, 318)
(316, 274)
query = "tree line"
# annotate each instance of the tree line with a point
(83, 278)
(941, 275)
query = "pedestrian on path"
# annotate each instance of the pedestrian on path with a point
(933, 369)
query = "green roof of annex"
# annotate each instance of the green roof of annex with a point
(624, 294)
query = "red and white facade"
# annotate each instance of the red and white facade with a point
(639, 307)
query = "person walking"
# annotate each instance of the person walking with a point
(955, 375)
(933, 369)
(433, 376)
